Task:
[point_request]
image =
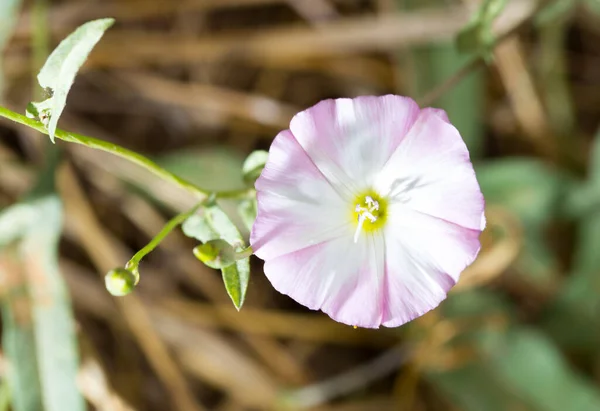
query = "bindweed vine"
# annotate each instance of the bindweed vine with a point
(338, 206)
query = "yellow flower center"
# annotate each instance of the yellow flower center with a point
(369, 213)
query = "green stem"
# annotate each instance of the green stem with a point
(120, 152)
(133, 263)
(245, 253)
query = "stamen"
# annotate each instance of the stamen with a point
(365, 213)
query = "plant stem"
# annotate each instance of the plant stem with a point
(118, 151)
(133, 263)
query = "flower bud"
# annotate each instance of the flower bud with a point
(120, 281)
(216, 254)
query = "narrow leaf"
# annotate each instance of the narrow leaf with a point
(8, 17)
(18, 340)
(214, 224)
(56, 343)
(58, 74)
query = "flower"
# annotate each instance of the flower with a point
(368, 209)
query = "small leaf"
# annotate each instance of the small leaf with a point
(247, 210)
(59, 71)
(477, 36)
(236, 278)
(215, 254)
(254, 165)
(214, 224)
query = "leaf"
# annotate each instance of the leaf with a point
(214, 224)
(59, 71)
(56, 343)
(477, 36)
(247, 210)
(216, 254)
(254, 164)
(527, 363)
(8, 17)
(472, 388)
(533, 192)
(18, 340)
(214, 169)
(573, 319)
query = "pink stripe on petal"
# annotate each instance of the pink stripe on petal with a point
(351, 139)
(297, 206)
(431, 172)
(339, 277)
(424, 259)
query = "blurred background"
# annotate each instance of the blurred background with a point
(199, 84)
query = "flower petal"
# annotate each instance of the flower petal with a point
(297, 206)
(340, 277)
(431, 172)
(351, 139)
(425, 256)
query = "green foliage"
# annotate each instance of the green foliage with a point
(8, 17)
(215, 254)
(214, 224)
(43, 340)
(247, 210)
(254, 165)
(214, 169)
(533, 192)
(574, 318)
(528, 364)
(59, 71)
(18, 342)
(477, 37)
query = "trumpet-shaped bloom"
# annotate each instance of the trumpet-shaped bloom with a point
(368, 209)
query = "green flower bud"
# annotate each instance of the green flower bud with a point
(216, 254)
(120, 281)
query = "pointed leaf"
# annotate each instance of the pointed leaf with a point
(59, 71)
(56, 343)
(214, 224)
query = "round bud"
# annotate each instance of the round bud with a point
(215, 253)
(120, 282)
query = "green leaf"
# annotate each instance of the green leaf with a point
(477, 36)
(573, 319)
(593, 5)
(18, 342)
(247, 210)
(254, 165)
(533, 192)
(215, 169)
(59, 71)
(14, 221)
(215, 254)
(56, 343)
(214, 224)
(527, 363)
(472, 388)
(9, 10)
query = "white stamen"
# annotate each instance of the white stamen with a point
(365, 213)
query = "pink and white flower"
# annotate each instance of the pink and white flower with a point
(368, 209)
